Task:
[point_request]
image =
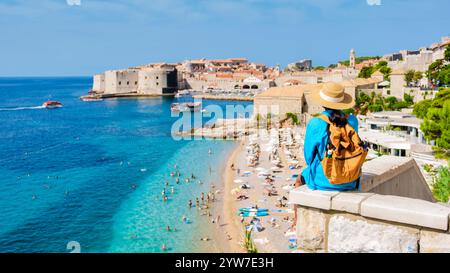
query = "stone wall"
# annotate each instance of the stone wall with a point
(99, 83)
(121, 81)
(155, 81)
(369, 223)
(278, 107)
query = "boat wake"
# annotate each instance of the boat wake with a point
(22, 108)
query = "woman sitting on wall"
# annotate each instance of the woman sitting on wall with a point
(333, 151)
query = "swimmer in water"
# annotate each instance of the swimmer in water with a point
(177, 180)
(190, 203)
(165, 198)
(163, 247)
(168, 228)
(172, 190)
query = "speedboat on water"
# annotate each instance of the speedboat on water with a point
(52, 104)
(186, 107)
(194, 106)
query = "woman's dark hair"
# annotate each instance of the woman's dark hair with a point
(338, 117)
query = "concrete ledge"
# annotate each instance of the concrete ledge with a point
(349, 201)
(310, 198)
(434, 242)
(406, 210)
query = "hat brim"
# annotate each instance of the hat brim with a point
(347, 103)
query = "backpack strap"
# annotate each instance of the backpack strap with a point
(325, 118)
(329, 144)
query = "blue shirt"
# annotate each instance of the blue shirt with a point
(316, 138)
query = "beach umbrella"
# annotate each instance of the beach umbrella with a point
(261, 174)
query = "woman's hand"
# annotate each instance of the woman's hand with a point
(298, 182)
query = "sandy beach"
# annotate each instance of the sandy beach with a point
(272, 239)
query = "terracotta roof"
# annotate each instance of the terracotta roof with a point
(221, 61)
(223, 76)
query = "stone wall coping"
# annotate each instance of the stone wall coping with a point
(312, 198)
(383, 207)
(406, 210)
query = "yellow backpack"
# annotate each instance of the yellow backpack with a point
(345, 154)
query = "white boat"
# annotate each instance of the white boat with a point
(186, 107)
(52, 104)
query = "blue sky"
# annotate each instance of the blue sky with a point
(50, 37)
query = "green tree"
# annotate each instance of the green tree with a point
(438, 72)
(436, 124)
(390, 101)
(417, 77)
(386, 70)
(366, 72)
(409, 99)
(421, 108)
(447, 54)
(444, 76)
(434, 69)
(293, 117)
(409, 77)
(441, 185)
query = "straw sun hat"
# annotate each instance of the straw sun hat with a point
(331, 95)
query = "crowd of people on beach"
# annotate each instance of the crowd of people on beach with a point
(268, 161)
(203, 203)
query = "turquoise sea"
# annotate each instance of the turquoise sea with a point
(92, 173)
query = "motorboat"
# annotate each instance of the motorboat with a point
(52, 104)
(186, 107)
